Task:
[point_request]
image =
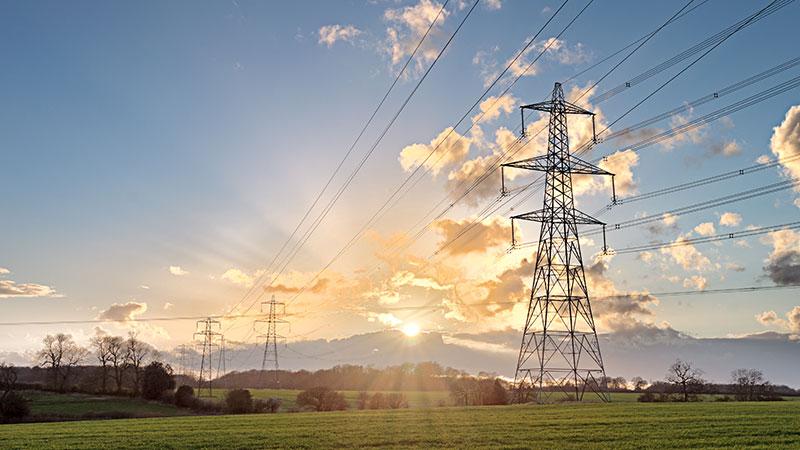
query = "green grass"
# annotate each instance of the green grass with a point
(53, 405)
(622, 425)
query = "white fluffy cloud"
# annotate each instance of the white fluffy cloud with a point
(785, 141)
(237, 276)
(687, 255)
(696, 282)
(178, 271)
(11, 289)
(705, 229)
(730, 219)
(791, 323)
(406, 26)
(492, 107)
(330, 34)
(451, 148)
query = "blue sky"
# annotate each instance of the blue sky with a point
(142, 136)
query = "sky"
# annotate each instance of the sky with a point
(155, 156)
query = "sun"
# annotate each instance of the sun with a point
(411, 329)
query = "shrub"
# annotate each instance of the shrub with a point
(157, 379)
(363, 400)
(396, 400)
(321, 399)
(270, 405)
(377, 401)
(14, 406)
(184, 397)
(239, 401)
(647, 397)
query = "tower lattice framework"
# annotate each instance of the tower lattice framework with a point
(208, 337)
(560, 352)
(269, 363)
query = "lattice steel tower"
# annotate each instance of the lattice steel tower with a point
(271, 337)
(559, 352)
(209, 337)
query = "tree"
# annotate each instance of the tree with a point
(184, 397)
(686, 378)
(239, 401)
(751, 385)
(136, 352)
(60, 355)
(363, 400)
(115, 346)
(321, 399)
(100, 343)
(8, 380)
(638, 383)
(157, 379)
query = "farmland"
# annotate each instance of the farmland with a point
(616, 425)
(416, 399)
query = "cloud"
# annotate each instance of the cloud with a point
(168, 306)
(785, 142)
(791, 323)
(408, 278)
(687, 255)
(385, 318)
(237, 276)
(669, 219)
(121, 312)
(492, 107)
(696, 282)
(726, 148)
(178, 271)
(316, 288)
(730, 219)
(783, 264)
(616, 311)
(484, 235)
(330, 34)
(621, 164)
(734, 267)
(452, 149)
(556, 50)
(705, 229)
(11, 289)
(406, 26)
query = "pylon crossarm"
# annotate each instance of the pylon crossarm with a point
(544, 163)
(542, 215)
(557, 106)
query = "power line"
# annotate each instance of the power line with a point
(347, 153)
(350, 178)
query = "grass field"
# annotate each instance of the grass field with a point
(621, 425)
(73, 406)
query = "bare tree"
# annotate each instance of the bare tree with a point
(686, 377)
(136, 353)
(638, 383)
(61, 354)
(750, 385)
(100, 343)
(115, 346)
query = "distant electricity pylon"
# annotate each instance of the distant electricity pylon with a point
(210, 337)
(182, 360)
(559, 350)
(271, 337)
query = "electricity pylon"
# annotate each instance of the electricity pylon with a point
(271, 337)
(182, 360)
(559, 350)
(208, 331)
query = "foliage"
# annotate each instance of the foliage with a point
(157, 379)
(14, 406)
(269, 405)
(750, 385)
(239, 401)
(321, 399)
(60, 354)
(184, 397)
(468, 391)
